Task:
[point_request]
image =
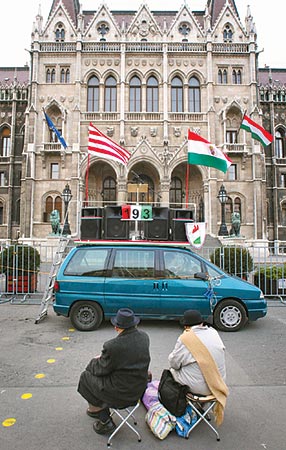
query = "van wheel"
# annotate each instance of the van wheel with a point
(229, 315)
(86, 316)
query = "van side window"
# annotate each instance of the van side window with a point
(130, 263)
(180, 265)
(88, 262)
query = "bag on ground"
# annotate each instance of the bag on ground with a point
(160, 421)
(150, 395)
(186, 422)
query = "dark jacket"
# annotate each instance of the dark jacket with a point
(119, 376)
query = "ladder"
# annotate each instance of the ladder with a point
(49, 291)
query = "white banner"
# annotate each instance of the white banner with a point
(196, 233)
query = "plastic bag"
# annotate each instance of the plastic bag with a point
(186, 422)
(150, 395)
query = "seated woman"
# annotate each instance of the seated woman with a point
(184, 366)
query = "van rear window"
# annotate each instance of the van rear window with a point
(88, 262)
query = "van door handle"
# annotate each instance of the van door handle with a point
(156, 285)
(164, 286)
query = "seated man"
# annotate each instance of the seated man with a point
(118, 377)
(198, 359)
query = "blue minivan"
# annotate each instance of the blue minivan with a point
(157, 281)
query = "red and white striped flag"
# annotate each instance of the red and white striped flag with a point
(101, 145)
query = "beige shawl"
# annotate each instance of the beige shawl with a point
(209, 370)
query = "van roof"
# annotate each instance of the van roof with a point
(132, 243)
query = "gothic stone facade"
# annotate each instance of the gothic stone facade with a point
(143, 78)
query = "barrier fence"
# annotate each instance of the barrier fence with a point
(25, 268)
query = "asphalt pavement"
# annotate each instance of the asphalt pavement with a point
(40, 366)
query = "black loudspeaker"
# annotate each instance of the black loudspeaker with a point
(91, 223)
(91, 212)
(158, 228)
(114, 227)
(178, 218)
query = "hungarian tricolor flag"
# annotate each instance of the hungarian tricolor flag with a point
(202, 153)
(104, 147)
(257, 132)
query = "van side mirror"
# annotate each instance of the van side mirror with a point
(202, 276)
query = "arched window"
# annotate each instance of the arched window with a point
(135, 94)
(228, 210)
(279, 144)
(5, 141)
(18, 210)
(53, 75)
(194, 95)
(224, 77)
(176, 193)
(56, 118)
(60, 33)
(109, 190)
(52, 202)
(93, 94)
(63, 76)
(143, 197)
(1, 213)
(152, 95)
(283, 214)
(177, 95)
(48, 76)
(110, 100)
(236, 76)
(227, 33)
(237, 205)
(68, 76)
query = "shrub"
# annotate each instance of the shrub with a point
(233, 260)
(24, 259)
(271, 272)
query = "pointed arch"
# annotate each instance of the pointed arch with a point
(177, 94)
(93, 93)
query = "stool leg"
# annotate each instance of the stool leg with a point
(124, 421)
(203, 416)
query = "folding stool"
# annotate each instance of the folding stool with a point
(124, 414)
(198, 403)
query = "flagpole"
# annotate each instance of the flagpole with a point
(187, 184)
(239, 128)
(86, 178)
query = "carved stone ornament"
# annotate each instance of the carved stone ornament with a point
(144, 27)
(153, 131)
(134, 131)
(110, 131)
(177, 131)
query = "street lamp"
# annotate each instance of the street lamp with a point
(66, 196)
(222, 196)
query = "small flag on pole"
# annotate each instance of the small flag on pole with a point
(55, 130)
(104, 147)
(257, 132)
(202, 153)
